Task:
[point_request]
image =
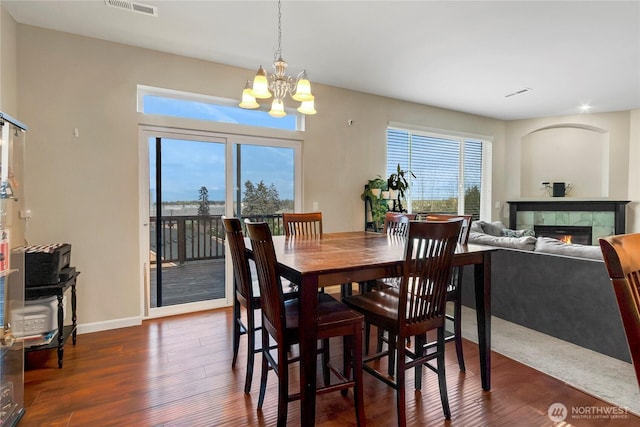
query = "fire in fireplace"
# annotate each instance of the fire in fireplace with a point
(566, 233)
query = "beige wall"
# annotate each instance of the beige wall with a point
(607, 134)
(8, 64)
(633, 211)
(84, 190)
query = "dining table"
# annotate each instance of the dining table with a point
(315, 262)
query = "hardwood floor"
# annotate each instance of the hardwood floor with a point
(176, 371)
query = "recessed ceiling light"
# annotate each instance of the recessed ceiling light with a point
(585, 108)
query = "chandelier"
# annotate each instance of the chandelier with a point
(279, 85)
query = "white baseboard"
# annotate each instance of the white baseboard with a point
(86, 328)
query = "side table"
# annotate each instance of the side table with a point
(57, 290)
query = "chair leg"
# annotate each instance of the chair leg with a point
(380, 340)
(457, 327)
(283, 387)
(392, 345)
(236, 331)
(420, 349)
(251, 341)
(264, 374)
(367, 337)
(346, 290)
(457, 321)
(326, 358)
(347, 358)
(401, 392)
(356, 360)
(442, 378)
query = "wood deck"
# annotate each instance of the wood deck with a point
(190, 282)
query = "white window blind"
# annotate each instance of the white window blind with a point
(452, 173)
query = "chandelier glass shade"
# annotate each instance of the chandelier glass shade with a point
(278, 85)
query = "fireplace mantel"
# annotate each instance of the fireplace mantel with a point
(563, 204)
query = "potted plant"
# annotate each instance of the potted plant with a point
(373, 194)
(398, 183)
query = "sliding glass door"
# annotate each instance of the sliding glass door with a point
(186, 240)
(193, 179)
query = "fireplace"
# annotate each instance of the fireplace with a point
(566, 233)
(605, 217)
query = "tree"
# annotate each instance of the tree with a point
(472, 201)
(260, 199)
(203, 197)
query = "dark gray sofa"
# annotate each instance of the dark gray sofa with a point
(566, 297)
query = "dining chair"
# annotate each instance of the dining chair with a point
(395, 224)
(302, 224)
(417, 306)
(247, 295)
(621, 255)
(307, 224)
(454, 291)
(280, 322)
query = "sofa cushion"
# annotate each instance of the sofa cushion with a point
(493, 228)
(526, 243)
(554, 246)
(476, 227)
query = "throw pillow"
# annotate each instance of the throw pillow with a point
(507, 232)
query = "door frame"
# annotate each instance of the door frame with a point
(230, 140)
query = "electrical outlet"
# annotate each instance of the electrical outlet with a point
(544, 185)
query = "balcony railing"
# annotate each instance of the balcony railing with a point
(195, 238)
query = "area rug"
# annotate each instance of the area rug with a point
(607, 378)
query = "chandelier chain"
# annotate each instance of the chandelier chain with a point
(278, 52)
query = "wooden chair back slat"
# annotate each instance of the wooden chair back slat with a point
(396, 224)
(268, 277)
(464, 230)
(302, 224)
(239, 260)
(429, 253)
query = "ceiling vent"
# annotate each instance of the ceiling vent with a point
(133, 6)
(518, 92)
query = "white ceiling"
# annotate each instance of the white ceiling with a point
(465, 56)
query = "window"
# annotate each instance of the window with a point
(201, 107)
(452, 173)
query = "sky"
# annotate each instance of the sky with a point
(189, 165)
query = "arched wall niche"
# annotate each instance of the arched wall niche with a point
(570, 153)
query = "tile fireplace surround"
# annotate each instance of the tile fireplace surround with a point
(605, 216)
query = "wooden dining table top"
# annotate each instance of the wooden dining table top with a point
(339, 253)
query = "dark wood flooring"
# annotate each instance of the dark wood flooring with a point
(176, 371)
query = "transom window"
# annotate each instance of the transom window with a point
(173, 103)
